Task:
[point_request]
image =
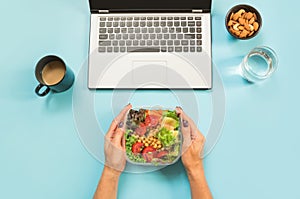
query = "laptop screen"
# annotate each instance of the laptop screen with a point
(127, 5)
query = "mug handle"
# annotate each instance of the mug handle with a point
(39, 87)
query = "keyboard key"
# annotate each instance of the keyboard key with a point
(123, 30)
(171, 30)
(130, 30)
(152, 36)
(101, 49)
(183, 18)
(170, 42)
(199, 36)
(117, 30)
(142, 42)
(110, 30)
(102, 30)
(135, 42)
(132, 36)
(136, 24)
(192, 30)
(103, 36)
(185, 30)
(125, 36)
(110, 18)
(137, 30)
(116, 18)
(122, 49)
(145, 36)
(176, 18)
(123, 18)
(163, 18)
(102, 18)
(156, 18)
(142, 24)
(111, 36)
(183, 23)
(166, 36)
(170, 18)
(156, 43)
(138, 36)
(115, 43)
(109, 24)
(198, 23)
(157, 30)
(177, 42)
(163, 24)
(189, 36)
(185, 49)
(136, 18)
(144, 30)
(190, 18)
(199, 42)
(109, 49)
(122, 24)
(143, 49)
(199, 49)
(170, 49)
(191, 23)
(192, 49)
(198, 30)
(163, 49)
(179, 36)
(156, 24)
(129, 18)
(173, 36)
(143, 18)
(116, 49)
(184, 42)
(178, 49)
(163, 42)
(178, 30)
(149, 18)
(170, 23)
(176, 23)
(192, 42)
(197, 18)
(164, 30)
(159, 36)
(128, 42)
(102, 24)
(115, 24)
(151, 30)
(129, 24)
(105, 43)
(122, 43)
(149, 42)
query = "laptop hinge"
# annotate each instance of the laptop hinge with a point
(197, 11)
(103, 11)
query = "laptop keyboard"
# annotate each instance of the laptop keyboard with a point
(150, 34)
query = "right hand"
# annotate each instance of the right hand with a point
(193, 142)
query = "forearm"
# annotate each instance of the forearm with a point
(108, 185)
(198, 183)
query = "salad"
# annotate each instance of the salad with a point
(152, 136)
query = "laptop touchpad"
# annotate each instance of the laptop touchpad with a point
(149, 72)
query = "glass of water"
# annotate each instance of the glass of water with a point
(259, 64)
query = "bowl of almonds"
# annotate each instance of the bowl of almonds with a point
(243, 22)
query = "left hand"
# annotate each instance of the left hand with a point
(115, 144)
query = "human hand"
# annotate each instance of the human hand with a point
(114, 147)
(193, 143)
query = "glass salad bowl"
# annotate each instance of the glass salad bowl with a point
(152, 137)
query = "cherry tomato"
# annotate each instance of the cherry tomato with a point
(141, 130)
(137, 147)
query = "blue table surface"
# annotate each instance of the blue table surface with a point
(42, 156)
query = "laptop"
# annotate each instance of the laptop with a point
(157, 44)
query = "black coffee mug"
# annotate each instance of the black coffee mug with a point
(53, 75)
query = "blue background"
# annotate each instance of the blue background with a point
(41, 155)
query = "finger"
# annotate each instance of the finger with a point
(117, 120)
(185, 130)
(194, 129)
(117, 140)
